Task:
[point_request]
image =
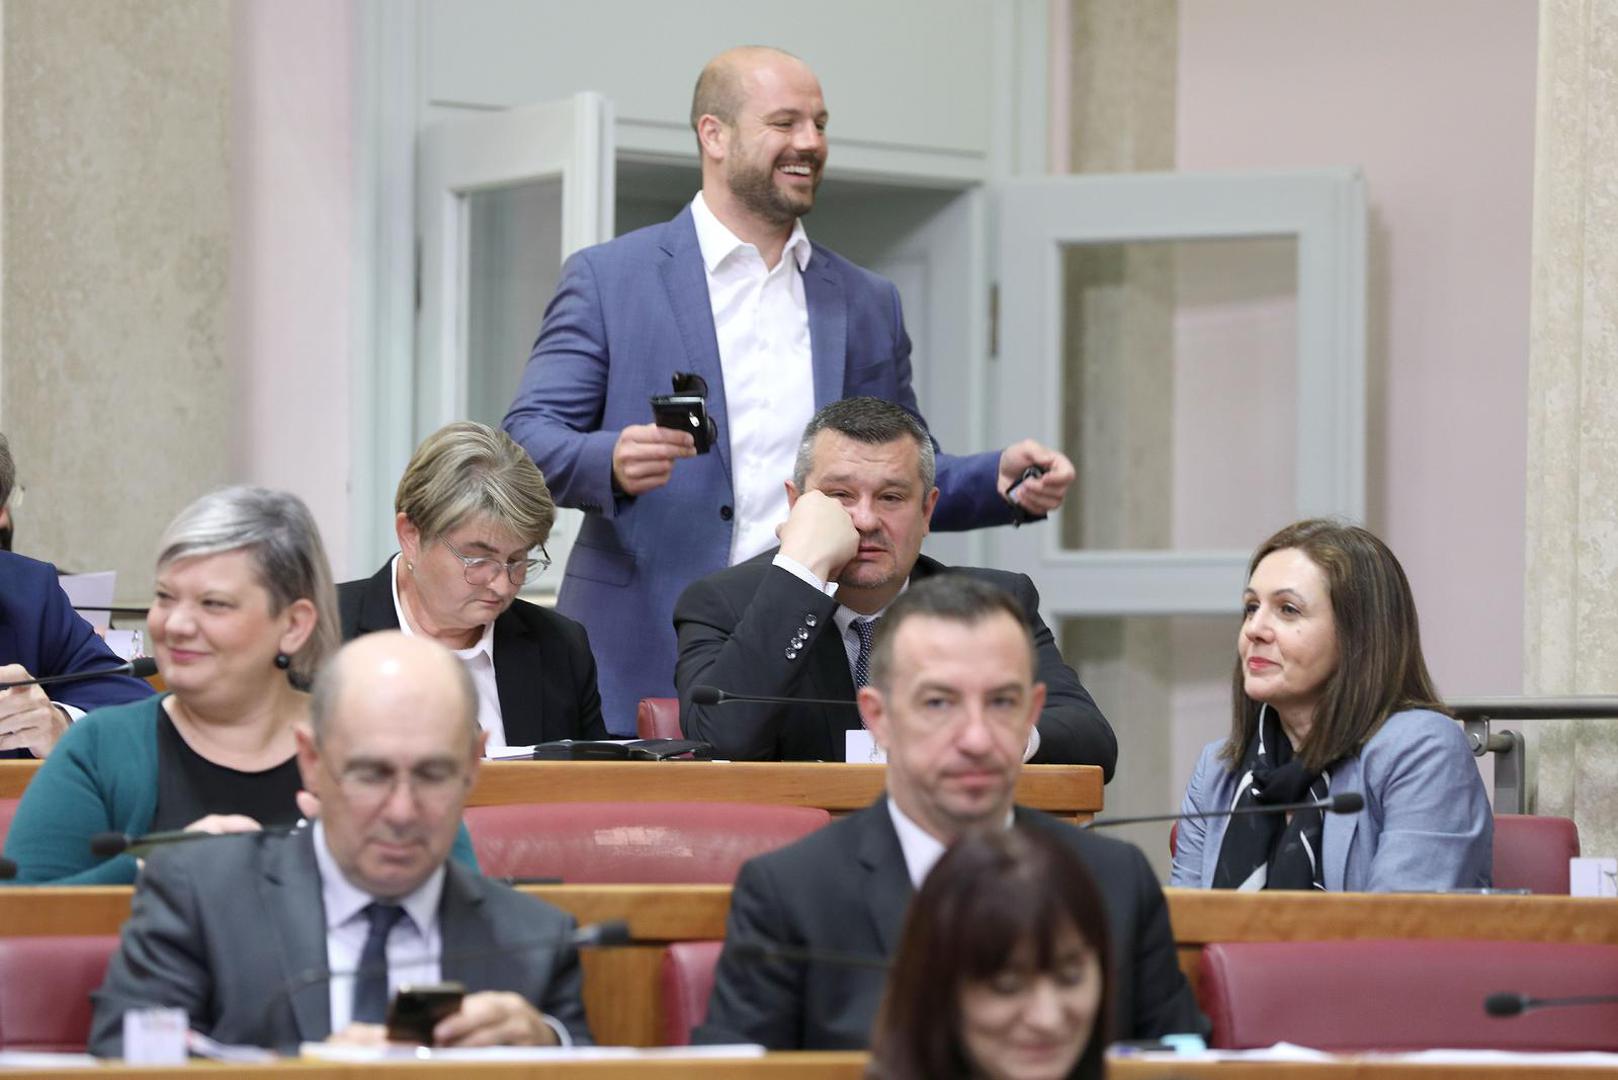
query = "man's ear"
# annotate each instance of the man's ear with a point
(928, 505)
(308, 755)
(874, 711)
(793, 494)
(714, 136)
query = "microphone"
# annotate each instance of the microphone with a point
(142, 667)
(1512, 1004)
(104, 845)
(712, 695)
(757, 949)
(1347, 802)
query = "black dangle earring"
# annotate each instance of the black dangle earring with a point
(283, 661)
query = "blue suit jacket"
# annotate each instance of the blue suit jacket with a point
(40, 630)
(1426, 823)
(627, 315)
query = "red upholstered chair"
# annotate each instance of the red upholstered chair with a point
(45, 985)
(658, 718)
(1349, 996)
(8, 810)
(639, 843)
(1531, 852)
(688, 968)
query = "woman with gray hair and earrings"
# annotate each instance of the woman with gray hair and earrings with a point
(242, 616)
(470, 509)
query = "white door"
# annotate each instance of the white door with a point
(502, 199)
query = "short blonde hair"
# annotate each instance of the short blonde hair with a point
(467, 469)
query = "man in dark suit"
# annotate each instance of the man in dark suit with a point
(952, 699)
(41, 635)
(797, 622)
(273, 940)
(734, 291)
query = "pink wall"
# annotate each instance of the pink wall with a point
(1434, 101)
(291, 260)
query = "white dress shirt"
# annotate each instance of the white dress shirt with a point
(413, 944)
(922, 849)
(761, 321)
(479, 663)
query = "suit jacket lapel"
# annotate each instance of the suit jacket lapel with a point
(828, 327)
(1337, 832)
(685, 280)
(297, 918)
(376, 606)
(519, 664)
(887, 888)
(470, 954)
(830, 678)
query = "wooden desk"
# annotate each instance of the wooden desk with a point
(802, 1066)
(1072, 791)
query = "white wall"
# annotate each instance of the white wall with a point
(1435, 102)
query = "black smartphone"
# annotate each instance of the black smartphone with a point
(687, 413)
(416, 1010)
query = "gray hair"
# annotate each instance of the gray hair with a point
(871, 421)
(276, 528)
(8, 471)
(952, 597)
(328, 690)
(467, 469)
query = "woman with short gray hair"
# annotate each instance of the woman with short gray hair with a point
(242, 617)
(470, 511)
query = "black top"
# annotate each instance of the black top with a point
(189, 786)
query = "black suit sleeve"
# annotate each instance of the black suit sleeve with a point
(744, 644)
(1072, 730)
(1164, 1003)
(756, 1000)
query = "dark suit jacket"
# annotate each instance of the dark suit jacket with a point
(626, 316)
(232, 929)
(543, 665)
(845, 889)
(736, 629)
(40, 630)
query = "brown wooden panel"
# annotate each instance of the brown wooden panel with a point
(802, 1066)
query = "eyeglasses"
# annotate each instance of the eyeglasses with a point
(481, 570)
(368, 784)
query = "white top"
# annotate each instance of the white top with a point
(479, 663)
(922, 849)
(413, 944)
(761, 321)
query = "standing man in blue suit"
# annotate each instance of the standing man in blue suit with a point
(732, 290)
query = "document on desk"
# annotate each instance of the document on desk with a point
(1500, 1059)
(397, 1052)
(33, 1059)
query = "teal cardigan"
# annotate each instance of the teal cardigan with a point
(101, 777)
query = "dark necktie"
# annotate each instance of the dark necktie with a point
(866, 629)
(371, 981)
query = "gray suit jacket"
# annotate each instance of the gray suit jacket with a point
(1426, 823)
(232, 930)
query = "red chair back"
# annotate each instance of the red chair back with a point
(658, 718)
(688, 973)
(8, 810)
(1531, 852)
(1352, 996)
(45, 985)
(641, 843)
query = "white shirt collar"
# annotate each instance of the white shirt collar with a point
(922, 849)
(483, 645)
(344, 900)
(717, 242)
(844, 616)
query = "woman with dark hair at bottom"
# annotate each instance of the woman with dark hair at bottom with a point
(1001, 972)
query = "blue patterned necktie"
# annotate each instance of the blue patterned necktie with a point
(866, 629)
(371, 981)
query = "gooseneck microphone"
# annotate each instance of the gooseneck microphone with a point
(712, 695)
(142, 667)
(1512, 1004)
(1347, 802)
(105, 845)
(758, 949)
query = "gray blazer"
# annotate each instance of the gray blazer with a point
(1426, 823)
(232, 929)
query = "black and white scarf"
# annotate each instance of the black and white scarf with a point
(1268, 851)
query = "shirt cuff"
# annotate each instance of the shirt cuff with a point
(73, 712)
(1033, 745)
(563, 1036)
(804, 574)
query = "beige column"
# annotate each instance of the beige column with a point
(1570, 619)
(113, 385)
(1118, 398)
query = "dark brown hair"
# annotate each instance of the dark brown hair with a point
(1380, 670)
(992, 892)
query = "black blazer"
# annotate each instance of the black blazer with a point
(845, 888)
(543, 666)
(736, 630)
